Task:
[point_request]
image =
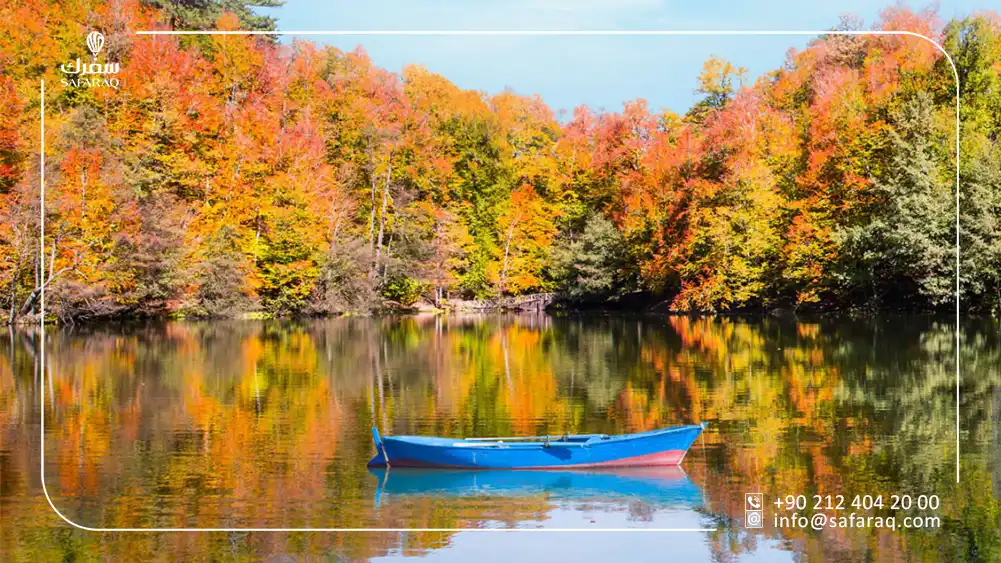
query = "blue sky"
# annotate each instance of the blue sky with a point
(602, 72)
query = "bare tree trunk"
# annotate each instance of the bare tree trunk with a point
(83, 194)
(52, 258)
(41, 284)
(389, 253)
(440, 263)
(507, 253)
(371, 213)
(334, 225)
(382, 215)
(38, 266)
(257, 233)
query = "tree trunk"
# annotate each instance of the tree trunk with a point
(371, 214)
(382, 215)
(11, 315)
(372, 191)
(41, 283)
(83, 194)
(507, 253)
(389, 253)
(29, 303)
(257, 234)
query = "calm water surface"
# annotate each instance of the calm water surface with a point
(267, 424)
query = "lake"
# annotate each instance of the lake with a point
(266, 424)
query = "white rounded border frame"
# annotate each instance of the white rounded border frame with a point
(45, 490)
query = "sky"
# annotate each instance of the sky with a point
(602, 72)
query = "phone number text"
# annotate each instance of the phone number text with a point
(794, 503)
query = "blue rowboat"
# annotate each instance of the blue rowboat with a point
(660, 486)
(667, 446)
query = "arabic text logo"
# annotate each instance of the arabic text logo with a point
(103, 74)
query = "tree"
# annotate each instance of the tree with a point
(906, 239)
(221, 279)
(975, 45)
(592, 263)
(438, 244)
(980, 222)
(10, 141)
(202, 14)
(84, 213)
(343, 285)
(716, 84)
(148, 258)
(528, 227)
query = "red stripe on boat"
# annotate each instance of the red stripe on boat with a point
(668, 458)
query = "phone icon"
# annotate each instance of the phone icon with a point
(754, 516)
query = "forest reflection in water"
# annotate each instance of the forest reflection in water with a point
(266, 424)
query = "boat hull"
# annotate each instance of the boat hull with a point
(648, 449)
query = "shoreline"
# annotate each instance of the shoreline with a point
(548, 304)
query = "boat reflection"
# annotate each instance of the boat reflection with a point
(658, 486)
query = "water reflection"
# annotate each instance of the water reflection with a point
(654, 486)
(266, 424)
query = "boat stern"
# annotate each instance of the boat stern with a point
(380, 459)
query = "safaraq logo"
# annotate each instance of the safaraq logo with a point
(101, 74)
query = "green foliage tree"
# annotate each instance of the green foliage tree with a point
(402, 290)
(149, 261)
(287, 266)
(905, 241)
(202, 14)
(975, 46)
(343, 284)
(717, 86)
(221, 279)
(592, 263)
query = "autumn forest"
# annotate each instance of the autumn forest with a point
(235, 174)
